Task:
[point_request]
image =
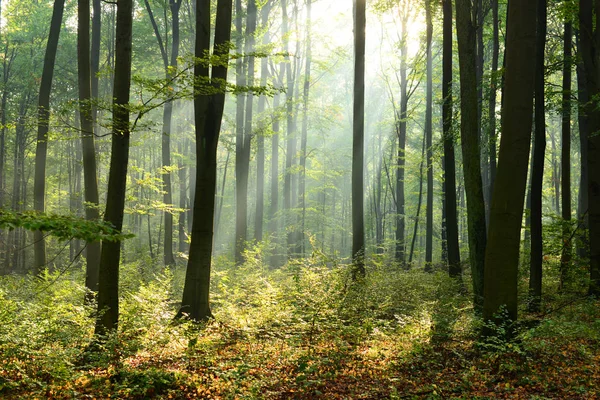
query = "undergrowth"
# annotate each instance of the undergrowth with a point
(303, 331)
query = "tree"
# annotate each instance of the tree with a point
(590, 44)
(170, 66)
(358, 129)
(208, 111)
(537, 170)
(506, 214)
(448, 139)
(428, 140)
(565, 258)
(108, 284)
(87, 122)
(41, 149)
(469, 133)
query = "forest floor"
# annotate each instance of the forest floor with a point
(280, 338)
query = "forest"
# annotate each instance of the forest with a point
(300, 199)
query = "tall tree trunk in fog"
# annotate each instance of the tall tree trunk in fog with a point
(358, 137)
(590, 52)
(429, 141)
(241, 142)
(469, 132)
(565, 259)
(251, 15)
(453, 250)
(208, 111)
(41, 149)
(491, 135)
(537, 170)
(419, 202)
(302, 183)
(582, 205)
(260, 140)
(174, 6)
(291, 131)
(87, 123)
(506, 215)
(108, 284)
(400, 252)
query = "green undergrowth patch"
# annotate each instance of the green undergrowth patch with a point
(305, 330)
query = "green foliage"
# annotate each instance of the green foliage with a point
(64, 227)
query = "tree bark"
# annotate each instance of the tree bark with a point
(506, 215)
(590, 46)
(470, 146)
(208, 112)
(87, 123)
(108, 284)
(41, 149)
(537, 170)
(358, 127)
(453, 250)
(429, 142)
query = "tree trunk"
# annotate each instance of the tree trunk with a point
(506, 215)
(302, 183)
(565, 259)
(86, 117)
(41, 149)
(492, 102)
(537, 170)
(208, 112)
(453, 250)
(260, 141)
(429, 143)
(241, 169)
(108, 284)
(470, 146)
(358, 129)
(590, 46)
(417, 216)
(582, 205)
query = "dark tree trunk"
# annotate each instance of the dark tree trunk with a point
(582, 205)
(208, 113)
(470, 146)
(590, 52)
(358, 129)
(108, 284)
(537, 170)
(241, 141)
(429, 142)
(506, 215)
(453, 251)
(41, 149)
(86, 116)
(565, 259)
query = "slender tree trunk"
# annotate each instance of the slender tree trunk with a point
(565, 259)
(358, 137)
(582, 206)
(260, 140)
(86, 116)
(39, 186)
(401, 158)
(303, 141)
(208, 112)
(506, 216)
(470, 146)
(537, 170)
(241, 170)
(108, 284)
(492, 102)
(453, 249)
(429, 142)
(419, 202)
(590, 46)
